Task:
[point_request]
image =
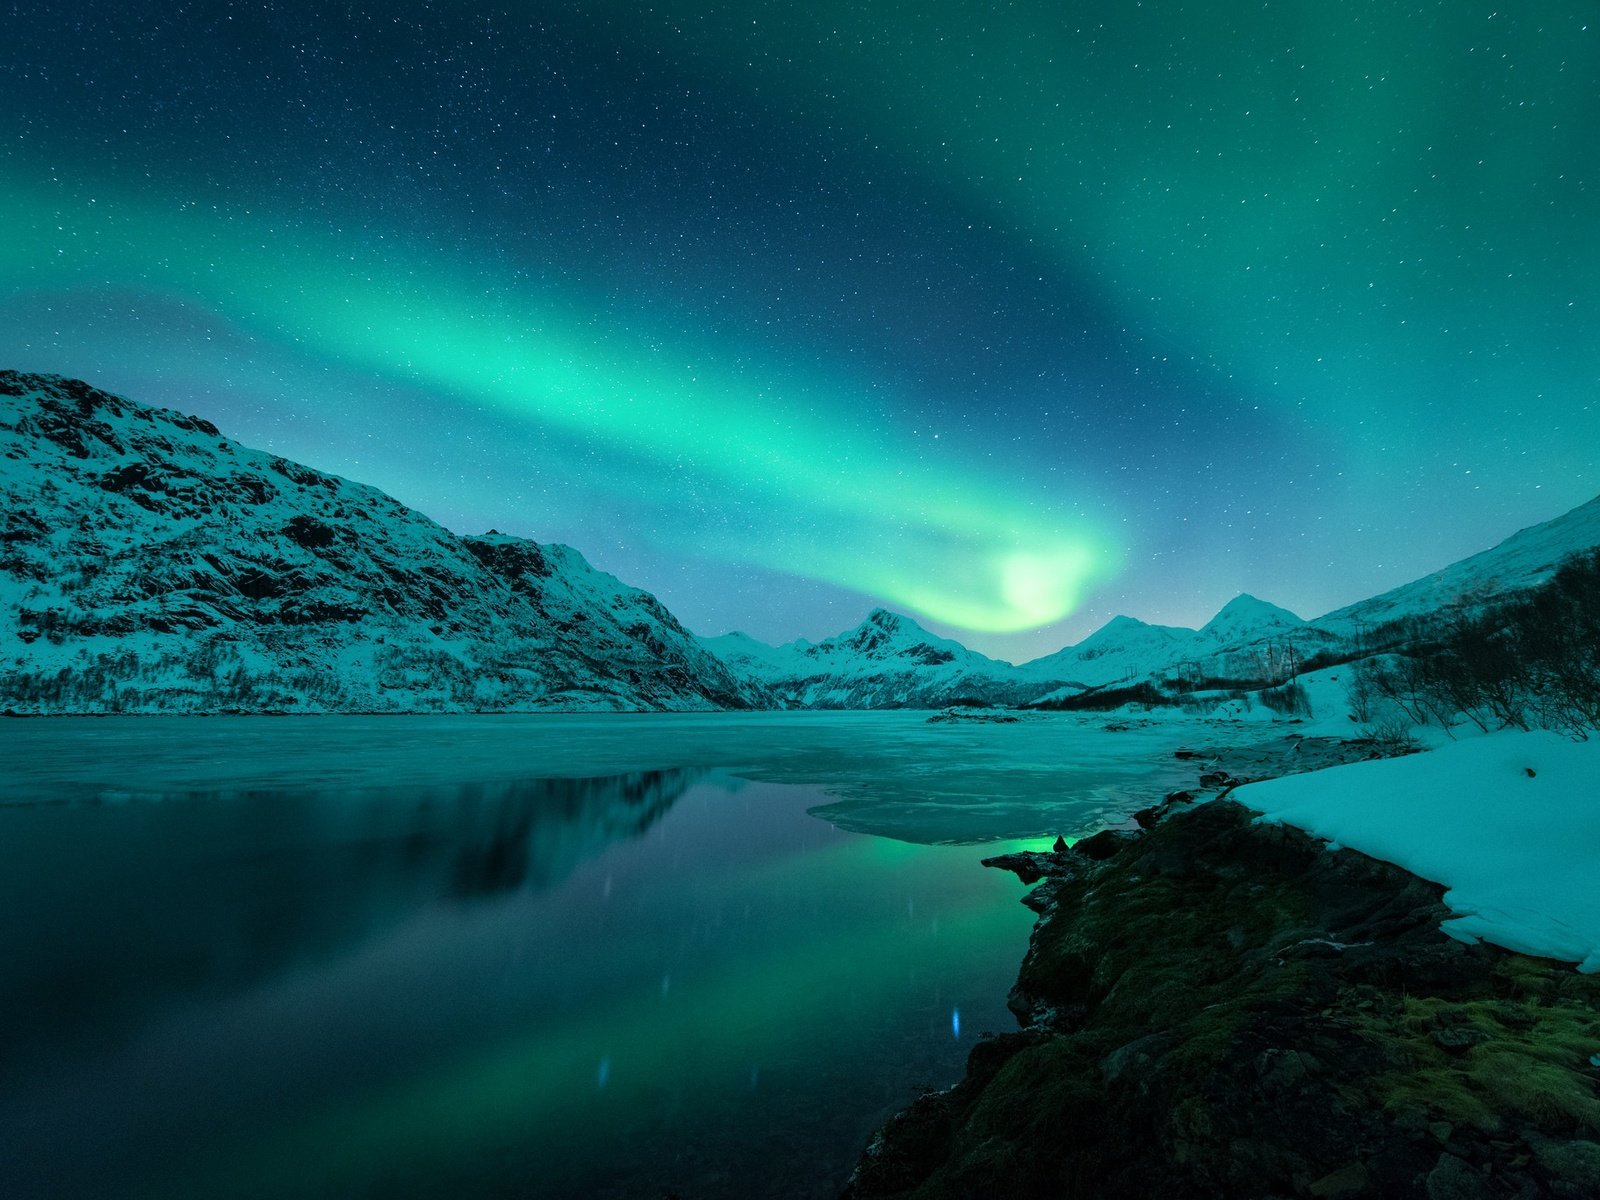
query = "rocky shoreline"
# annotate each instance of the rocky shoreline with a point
(1214, 1007)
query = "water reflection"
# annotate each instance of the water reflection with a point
(130, 903)
(654, 981)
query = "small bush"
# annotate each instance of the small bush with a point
(1393, 737)
(1290, 700)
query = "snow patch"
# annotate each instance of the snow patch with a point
(1510, 824)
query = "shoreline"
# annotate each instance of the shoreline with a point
(1216, 1006)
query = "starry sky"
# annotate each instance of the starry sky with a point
(1008, 316)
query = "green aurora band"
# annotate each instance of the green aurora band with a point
(937, 538)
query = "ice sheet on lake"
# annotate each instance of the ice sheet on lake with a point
(892, 773)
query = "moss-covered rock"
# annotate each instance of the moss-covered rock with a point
(1227, 1009)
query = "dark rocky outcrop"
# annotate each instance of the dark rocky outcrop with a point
(1221, 1008)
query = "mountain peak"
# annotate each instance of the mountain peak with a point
(883, 618)
(884, 631)
(1123, 621)
(1246, 618)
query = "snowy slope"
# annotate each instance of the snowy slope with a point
(888, 661)
(750, 659)
(147, 563)
(1122, 650)
(1248, 638)
(1523, 560)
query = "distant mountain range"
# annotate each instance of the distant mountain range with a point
(891, 661)
(888, 661)
(150, 564)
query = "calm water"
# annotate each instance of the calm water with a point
(541, 956)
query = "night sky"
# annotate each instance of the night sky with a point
(1010, 317)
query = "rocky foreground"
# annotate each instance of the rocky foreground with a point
(1220, 1008)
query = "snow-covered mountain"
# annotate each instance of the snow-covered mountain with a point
(1247, 639)
(147, 563)
(891, 661)
(1124, 649)
(1244, 619)
(888, 661)
(1250, 638)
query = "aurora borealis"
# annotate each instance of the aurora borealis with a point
(1010, 317)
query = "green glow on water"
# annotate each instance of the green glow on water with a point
(777, 1013)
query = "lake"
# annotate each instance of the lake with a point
(701, 955)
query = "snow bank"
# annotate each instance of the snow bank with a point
(1510, 824)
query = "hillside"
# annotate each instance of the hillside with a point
(148, 563)
(1523, 560)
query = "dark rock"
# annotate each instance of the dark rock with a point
(1575, 1162)
(1133, 1059)
(1349, 1181)
(308, 532)
(974, 715)
(1179, 798)
(132, 475)
(1027, 865)
(1104, 844)
(1512, 1016)
(1060, 845)
(1454, 1179)
(1218, 1008)
(1457, 1039)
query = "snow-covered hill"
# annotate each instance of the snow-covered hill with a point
(1525, 559)
(888, 661)
(1247, 639)
(147, 563)
(1252, 639)
(1122, 650)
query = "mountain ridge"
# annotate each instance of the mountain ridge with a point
(887, 660)
(1247, 631)
(148, 563)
